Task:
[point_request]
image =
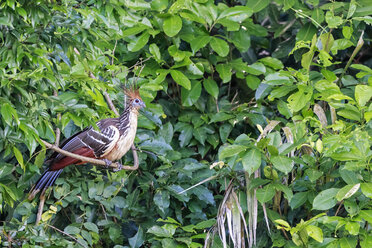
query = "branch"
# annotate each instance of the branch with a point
(93, 160)
(55, 228)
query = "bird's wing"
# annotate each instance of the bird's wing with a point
(101, 142)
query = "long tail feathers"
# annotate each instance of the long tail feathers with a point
(45, 181)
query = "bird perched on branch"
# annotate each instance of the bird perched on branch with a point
(113, 139)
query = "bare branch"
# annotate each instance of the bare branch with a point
(109, 102)
(55, 228)
(93, 160)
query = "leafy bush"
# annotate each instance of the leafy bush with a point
(258, 122)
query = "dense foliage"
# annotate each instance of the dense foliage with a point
(246, 100)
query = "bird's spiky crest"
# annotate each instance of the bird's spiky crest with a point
(132, 91)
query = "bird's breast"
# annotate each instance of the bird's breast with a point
(124, 143)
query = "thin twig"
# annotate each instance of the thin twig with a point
(40, 209)
(59, 230)
(113, 53)
(93, 160)
(58, 131)
(109, 102)
(339, 207)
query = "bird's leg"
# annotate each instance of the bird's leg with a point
(120, 167)
(107, 162)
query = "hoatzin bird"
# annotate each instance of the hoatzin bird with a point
(110, 143)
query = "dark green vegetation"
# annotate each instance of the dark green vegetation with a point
(282, 87)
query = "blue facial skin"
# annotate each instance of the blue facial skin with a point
(137, 103)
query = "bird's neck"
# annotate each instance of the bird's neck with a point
(128, 118)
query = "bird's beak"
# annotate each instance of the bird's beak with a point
(143, 105)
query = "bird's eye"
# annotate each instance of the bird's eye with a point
(137, 101)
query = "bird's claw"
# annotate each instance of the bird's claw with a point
(120, 167)
(107, 162)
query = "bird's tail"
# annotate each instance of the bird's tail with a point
(46, 180)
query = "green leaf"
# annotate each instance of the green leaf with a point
(139, 42)
(231, 150)
(172, 25)
(225, 130)
(137, 240)
(272, 62)
(72, 230)
(265, 194)
(257, 5)
(282, 163)
(363, 94)
(332, 20)
(315, 232)
(224, 70)
(7, 111)
(350, 112)
(236, 13)
(19, 157)
(221, 116)
(160, 232)
(325, 200)
(190, 97)
(347, 242)
(181, 79)
(211, 87)
(298, 100)
(298, 199)
(154, 50)
(251, 160)
(347, 191)
(161, 200)
(367, 189)
(307, 32)
(199, 42)
(220, 46)
(252, 82)
(91, 227)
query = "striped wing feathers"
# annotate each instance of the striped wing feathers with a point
(101, 142)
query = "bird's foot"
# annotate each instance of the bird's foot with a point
(107, 162)
(120, 167)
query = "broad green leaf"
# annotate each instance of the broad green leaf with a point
(332, 20)
(91, 227)
(307, 32)
(231, 150)
(325, 200)
(160, 232)
(220, 46)
(367, 189)
(347, 191)
(257, 5)
(137, 240)
(265, 194)
(363, 94)
(161, 200)
(172, 25)
(225, 130)
(154, 50)
(190, 97)
(366, 215)
(315, 232)
(159, 5)
(224, 70)
(211, 87)
(350, 112)
(298, 199)
(251, 160)
(252, 81)
(139, 42)
(272, 62)
(221, 116)
(282, 163)
(7, 112)
(181, 79)
(352, 227)
(298, 100)
(348, 242)
(199, 42)
(72, 230)
(19, 157)
(236, 13)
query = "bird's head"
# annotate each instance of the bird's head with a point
(135, 101)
